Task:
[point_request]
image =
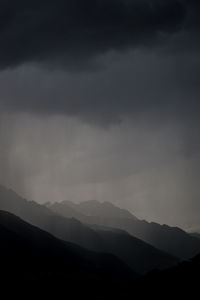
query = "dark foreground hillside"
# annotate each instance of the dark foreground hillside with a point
(137, 254)
(35, 264)
(27, 250)
(181, 281)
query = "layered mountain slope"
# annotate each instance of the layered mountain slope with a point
(170, 239)
(26, 249)
(34, 263)
(136, 253)
(102, 210)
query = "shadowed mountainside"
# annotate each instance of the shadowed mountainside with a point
(195, 234)
(181, 281)
(27, 249)
(97, 209)
(169, 239)
(140, 256)
(35, 263)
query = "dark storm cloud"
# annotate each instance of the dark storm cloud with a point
(159, 70)
(149, 79)
(135, 83)
(72, 33)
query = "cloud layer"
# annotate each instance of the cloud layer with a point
(67, 67)
(159, 71)
(72, 33)
(148, 167)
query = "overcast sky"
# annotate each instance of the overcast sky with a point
(99, 99)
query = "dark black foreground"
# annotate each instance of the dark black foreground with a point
(36, 265)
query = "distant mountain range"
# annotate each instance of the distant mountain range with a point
(89, 210)
(45, 256)
(30, 250)
(93, 208)
(140, 256)
(35, 263)
(169, 239)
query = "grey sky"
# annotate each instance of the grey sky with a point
(104, 107)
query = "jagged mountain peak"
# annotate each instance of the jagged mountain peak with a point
(102, 209)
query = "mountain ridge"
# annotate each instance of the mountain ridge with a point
(48, 267)
(136, 253)
(173, 240)
(21, 241)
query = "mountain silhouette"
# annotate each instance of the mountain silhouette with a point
(181, 281)
(35, 263)
(31, 249)
(97, 209)
(140, 256)
(173, 240)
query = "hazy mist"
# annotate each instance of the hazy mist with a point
(143, 164)
(108, 110)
